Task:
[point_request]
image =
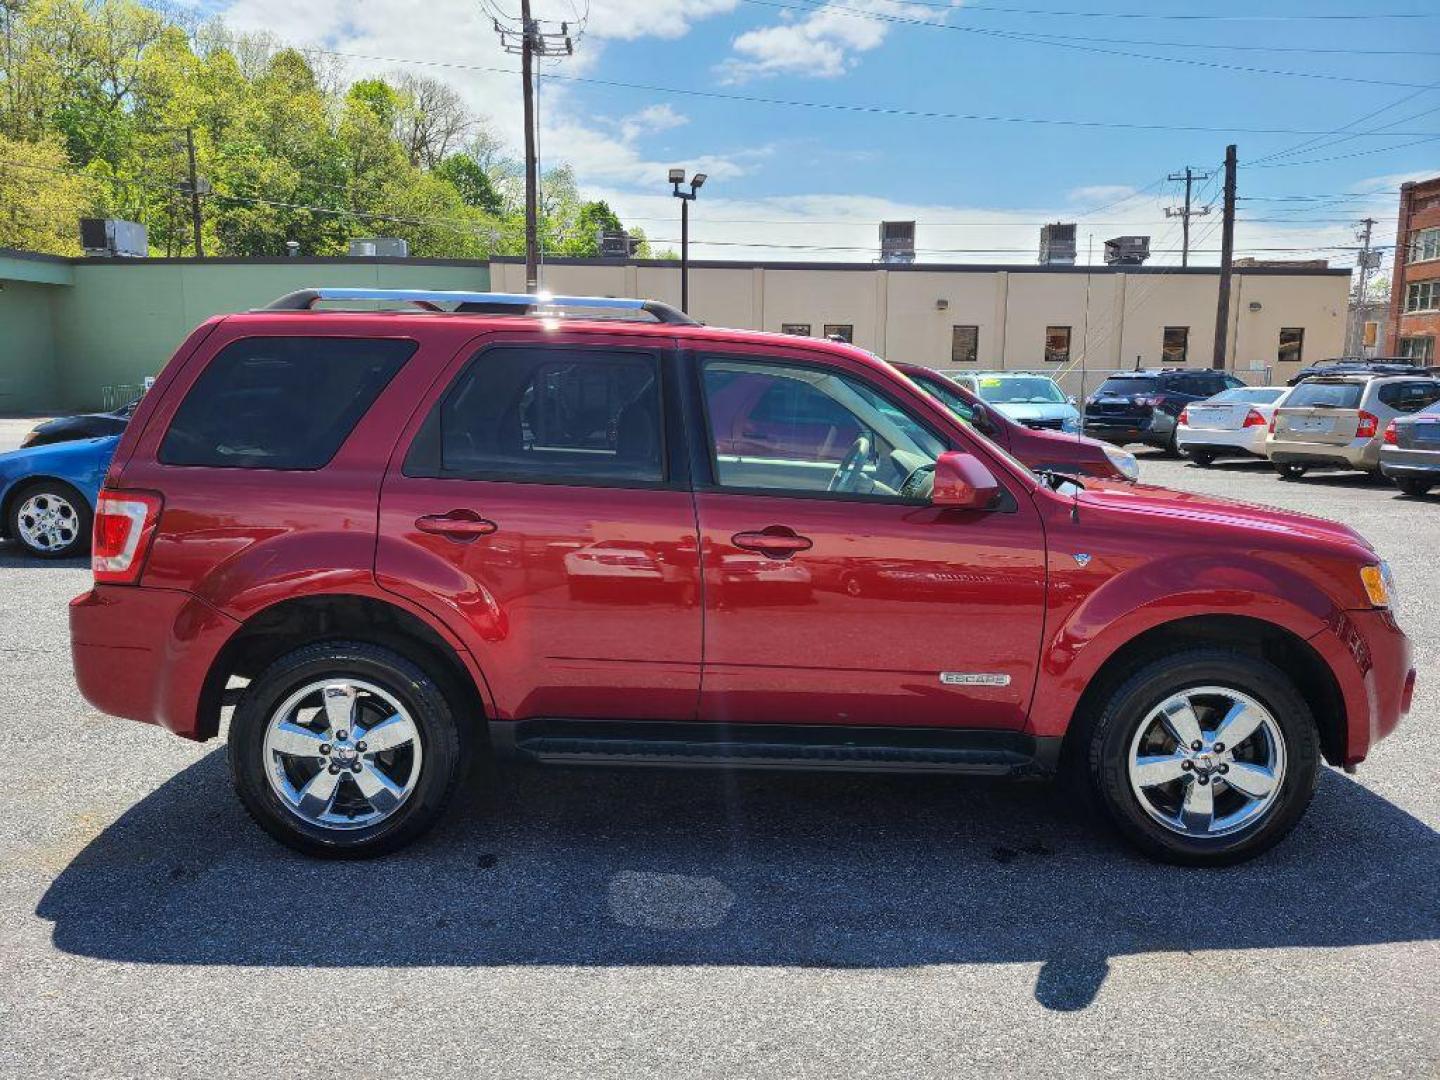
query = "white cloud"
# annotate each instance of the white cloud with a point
(822, 43)
(652, 118)
(627, 20)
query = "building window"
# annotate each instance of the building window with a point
(964, 344)
(1057, 344)
(1292, 344)
(1175, 344)
(843, 331)
(1425, 244)
(1419, 349)
(1422, 296)
(799, 329)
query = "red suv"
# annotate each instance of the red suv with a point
(392, 540)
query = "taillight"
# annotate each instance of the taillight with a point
(1367, 425)
(1390, 433)
(1272, 425)
(1184, 415)
(124, 527)
(1254, 419)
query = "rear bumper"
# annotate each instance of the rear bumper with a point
(143, 653)
(1249, 440)
(1154, 429)
(1362, 454)
(1372, 661)
(1401, 462)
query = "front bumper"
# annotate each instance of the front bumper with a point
(1373, 662)
(143, 653)
(1361, 454)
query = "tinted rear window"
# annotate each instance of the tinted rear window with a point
(1312, 394)
(1130, 385)
(280, 402)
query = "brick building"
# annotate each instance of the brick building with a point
(1415, 284)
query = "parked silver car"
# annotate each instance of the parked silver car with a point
(1338, 421)
(1410, 451)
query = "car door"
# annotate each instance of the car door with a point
(539, 505)
(835, 595)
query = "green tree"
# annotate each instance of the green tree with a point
(42, 198)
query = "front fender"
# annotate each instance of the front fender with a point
(1092, 616)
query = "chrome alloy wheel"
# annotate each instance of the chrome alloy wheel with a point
(1207, 762)
(47, 522)
(342, 754)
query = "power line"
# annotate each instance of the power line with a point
(999, 9)
(1011, 35)
(855, 107)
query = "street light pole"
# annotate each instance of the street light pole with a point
(677, 177)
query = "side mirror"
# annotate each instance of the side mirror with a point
(981, 419)
(1073, 400)
(963, 483)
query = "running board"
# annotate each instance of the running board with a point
(777, 746)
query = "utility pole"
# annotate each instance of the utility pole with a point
(1185, 213)
(1227, 251)
(527, 41)
(194, 193)
(1367, 262)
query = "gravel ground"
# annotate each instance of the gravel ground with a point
(667, 924)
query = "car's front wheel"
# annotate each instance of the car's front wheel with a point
(1205, 757)
(345, 749)
(50, 519)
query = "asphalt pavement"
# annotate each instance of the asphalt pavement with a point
(687, 924)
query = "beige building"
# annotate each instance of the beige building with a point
(1062, 320)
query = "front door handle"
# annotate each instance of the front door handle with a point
(462, 525)
(774, 542)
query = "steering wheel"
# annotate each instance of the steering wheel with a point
(849, 469)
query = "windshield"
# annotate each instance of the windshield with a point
(1322, 395)
(1026, 390)
(1255, 395)
(1129, 384)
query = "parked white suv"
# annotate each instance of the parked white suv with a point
(1338, 421)
(1233, 423)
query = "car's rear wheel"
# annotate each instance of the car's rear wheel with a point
(1205, 757)
(1291, 471)
(1415, 488)
(51, 520)
(1202, 457)
(346, 749)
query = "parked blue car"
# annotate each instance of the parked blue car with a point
(47, 495)
(1033, 400)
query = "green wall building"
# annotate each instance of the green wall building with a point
(70, 328)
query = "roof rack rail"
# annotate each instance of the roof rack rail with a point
(478, 303)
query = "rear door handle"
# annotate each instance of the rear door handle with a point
(774, 542)
(462, 525)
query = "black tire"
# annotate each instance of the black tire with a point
(79, 509)
(1291, 471)
(1134, 701)
(1416, 489)
(1172, 443)
(1203, 458)
(444, 739)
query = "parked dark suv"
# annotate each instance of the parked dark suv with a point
(393, 540)
(1144, 406)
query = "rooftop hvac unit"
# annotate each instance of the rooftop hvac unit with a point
(897, 241)
(1057, 244)
(1127, 250)
(617, 244)
(103, 238)
(380, 247)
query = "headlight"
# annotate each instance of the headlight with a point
(1123, 460)
(1070, 424)
(1379, 584)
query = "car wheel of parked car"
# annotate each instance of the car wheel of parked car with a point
(1415, 488)
(1202, 457)
(1205, 757)
(51, 519)
(1291, 471)
(346, 749)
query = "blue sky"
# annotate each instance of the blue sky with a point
(789, 181)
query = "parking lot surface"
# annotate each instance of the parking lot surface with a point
(679, 924)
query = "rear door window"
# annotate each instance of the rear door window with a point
(1409, 397)
(280, 402)
(548, 415)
